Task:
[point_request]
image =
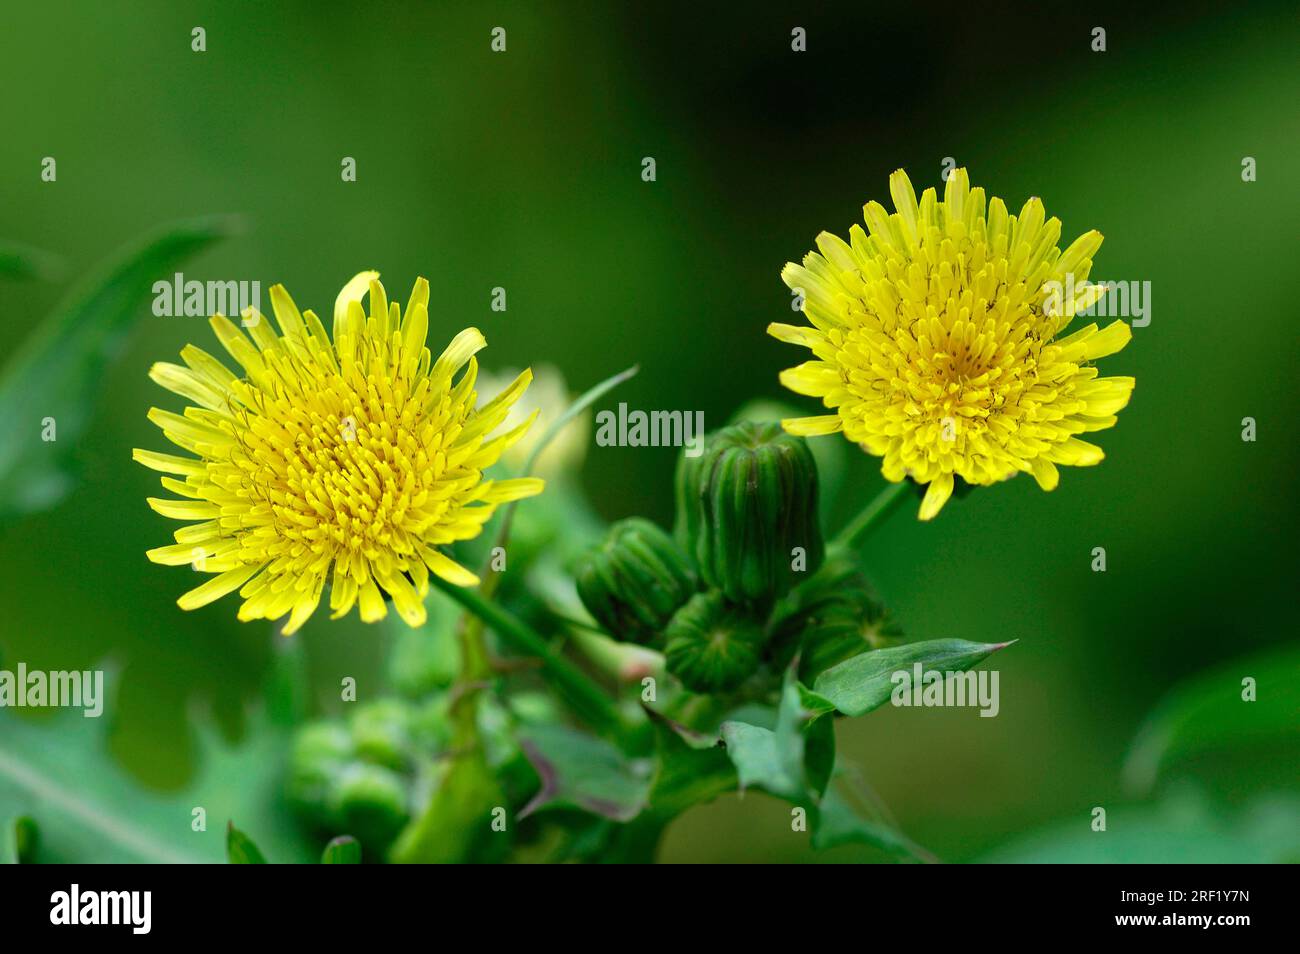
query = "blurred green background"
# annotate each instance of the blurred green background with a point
(523, 170)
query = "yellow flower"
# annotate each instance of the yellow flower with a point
(935, 341)
(348, 462)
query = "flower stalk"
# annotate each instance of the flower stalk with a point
(871, 516)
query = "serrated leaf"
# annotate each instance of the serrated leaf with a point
(57, 371)
(240, 849)
(582, 771)
(1208, 713)
(58, 772)
(865, 682)
(690, 768)
(343, 850)
(836, 822)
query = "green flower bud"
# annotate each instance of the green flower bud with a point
(381, 732)
(370, 802)
(712, 646)
(320, 752)
(832, 617)
(747, 511)
(634, 581)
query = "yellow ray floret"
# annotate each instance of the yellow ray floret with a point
(934, 341)
(347, 461)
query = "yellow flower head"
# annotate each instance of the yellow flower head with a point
(935, 343)
(346, 462)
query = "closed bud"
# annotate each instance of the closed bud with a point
(746, 506)
(381, 732)
(832, 617)
(320, 752)
(371, 803)
(712, 645)
(634, 581)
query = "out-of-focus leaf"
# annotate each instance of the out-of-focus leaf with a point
(1184, 829)
(690, 769)
(582, 771)
(59, 773)
(18, 841)
(343, 850)
(240, 849)
(57, 371)
(1209, 713)
(836, 822)
(23, 261)
(865, 682)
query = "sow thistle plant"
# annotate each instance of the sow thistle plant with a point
(589, 684)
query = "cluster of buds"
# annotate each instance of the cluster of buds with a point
(362, 775)
(737, 586)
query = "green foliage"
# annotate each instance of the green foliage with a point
(1218, 711)
(23, 261)
(865, 682)
(1185, 828)
(52, 380)
(240, 849)
(59, 773)
(582, 771)
(18, 841)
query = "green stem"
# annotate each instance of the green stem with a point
(873, 513)
(587, 698)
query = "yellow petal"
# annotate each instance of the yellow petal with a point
(936, 495)
(217, 587)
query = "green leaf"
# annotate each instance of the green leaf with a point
(23, 261)
(753, 750)
(59, 772)
(18, 841)
(582, 771)
(57, 371)
(690, 769)
(240, 849)
(343, 850)
(1208, 713)
(1185, 828)
(804, 740)
(837, 822)
(865, 682)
